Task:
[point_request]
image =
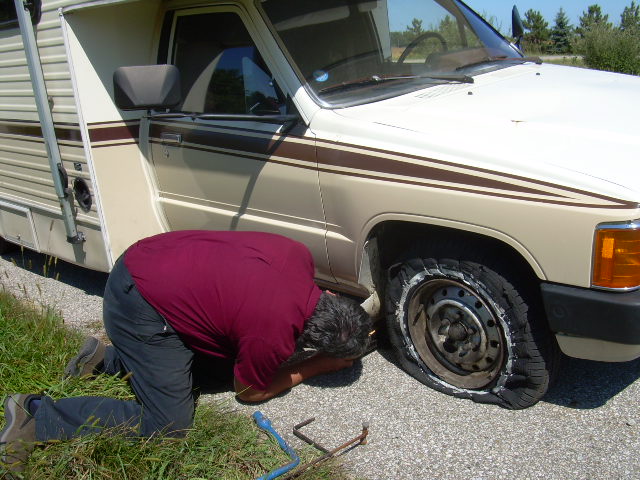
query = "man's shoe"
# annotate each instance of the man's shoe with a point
(19, 434)
(88, 359)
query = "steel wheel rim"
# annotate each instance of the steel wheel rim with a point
(456, 334)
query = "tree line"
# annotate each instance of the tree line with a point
(603, 45)
(564, 38)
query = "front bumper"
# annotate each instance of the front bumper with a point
(593, 324)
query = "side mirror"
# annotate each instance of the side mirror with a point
(9, 15)
(517, 27)
(147, 87)
(35, 9)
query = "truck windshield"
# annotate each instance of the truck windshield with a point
(355, 51)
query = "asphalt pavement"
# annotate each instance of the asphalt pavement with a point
(587, 427)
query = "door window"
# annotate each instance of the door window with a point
(221, 68)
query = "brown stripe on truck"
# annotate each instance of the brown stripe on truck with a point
(69, 132)
(371, 163)
(111, 133)
(262, 144)
(571, 192)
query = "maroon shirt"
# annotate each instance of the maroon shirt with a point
(236, 295)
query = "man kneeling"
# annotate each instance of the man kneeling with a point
(183, 308)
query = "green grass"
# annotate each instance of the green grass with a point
(568, 60)
(35, 346)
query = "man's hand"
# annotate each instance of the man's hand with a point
(290, 376)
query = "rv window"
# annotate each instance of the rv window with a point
(8, 18)
(221, 68)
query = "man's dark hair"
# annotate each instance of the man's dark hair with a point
(339, 327)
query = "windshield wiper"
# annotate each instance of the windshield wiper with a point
(536, 60)
(448, 77)
(376, 79)
(362, 82)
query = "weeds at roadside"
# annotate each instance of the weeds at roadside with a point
(32, 291)
(568, 60)
(35, 346)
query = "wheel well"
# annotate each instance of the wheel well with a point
(398, 240)
(6, 246)
(464, 316)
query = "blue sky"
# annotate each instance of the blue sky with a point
(574, 8)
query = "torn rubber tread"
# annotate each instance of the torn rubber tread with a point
(531, 356)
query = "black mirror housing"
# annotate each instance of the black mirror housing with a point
(517, 27)
(146, 87)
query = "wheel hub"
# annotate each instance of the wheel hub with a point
(456, 334)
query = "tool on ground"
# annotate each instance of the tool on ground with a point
(264, 423)
(360, 439)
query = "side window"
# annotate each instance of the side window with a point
(221, 69)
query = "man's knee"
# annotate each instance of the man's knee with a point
(175, 425)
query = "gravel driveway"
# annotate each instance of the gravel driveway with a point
(587, 427)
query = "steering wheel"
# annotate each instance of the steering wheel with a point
(414, 43)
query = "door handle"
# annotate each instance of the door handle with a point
(174, 139)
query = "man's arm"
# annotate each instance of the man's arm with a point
(290, 376)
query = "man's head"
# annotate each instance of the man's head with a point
(339, 327)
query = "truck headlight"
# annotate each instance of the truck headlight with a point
(616, 262)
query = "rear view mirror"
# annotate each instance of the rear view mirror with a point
(147, 87)
(517, 27)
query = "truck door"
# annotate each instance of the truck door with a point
(233, 173)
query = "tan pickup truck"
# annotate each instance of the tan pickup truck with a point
(485, 204)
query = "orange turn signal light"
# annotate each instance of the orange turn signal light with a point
(617, 258)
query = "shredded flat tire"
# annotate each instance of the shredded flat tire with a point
(461, 328)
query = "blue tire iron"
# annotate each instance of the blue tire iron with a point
(264, 423)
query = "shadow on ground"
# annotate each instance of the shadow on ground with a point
(581, 384)
(89, 281)
(584, 384)
(342, 378)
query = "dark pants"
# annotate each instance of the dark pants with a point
(162, 379)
